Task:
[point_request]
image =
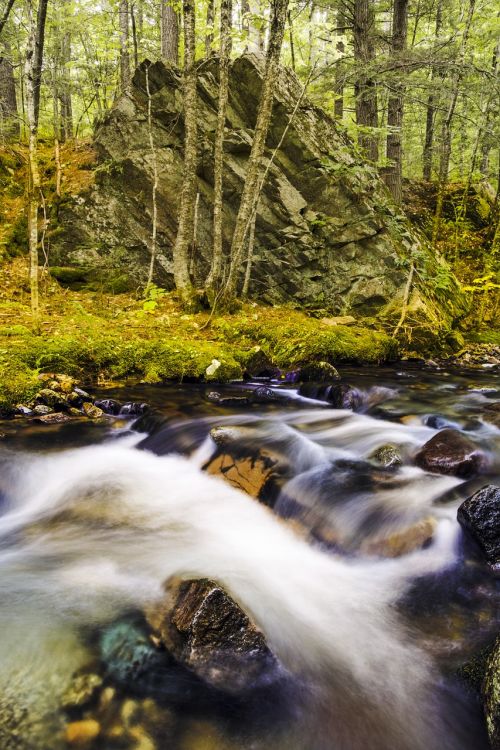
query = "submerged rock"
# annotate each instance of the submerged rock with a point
(55, 417)
(388, 456)
(109, 406)
(449, 452)
(491, 696)
(402, 541)
(81, 733)
(207, 632)
(479, 515)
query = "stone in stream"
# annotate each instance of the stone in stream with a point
(338, 395)
(109, 406)
(318, 372)
(257, 471)
(55, 417)
(133, 409)
(91, 411)
(450, 452)
(51, 398)
(416, 536)
(388, 456)
(479, 515)
(491, 696)
(207, 632)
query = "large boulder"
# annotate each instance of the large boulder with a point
(479, 515)
(450, 452)
(207, 632)
(327, 235)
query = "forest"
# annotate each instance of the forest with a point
(249, 359)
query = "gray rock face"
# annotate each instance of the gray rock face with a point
(326, 235)
(479, 515)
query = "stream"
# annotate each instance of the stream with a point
(97, 515)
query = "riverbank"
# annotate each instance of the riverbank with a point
(100, 338)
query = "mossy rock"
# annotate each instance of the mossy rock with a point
(69, 275)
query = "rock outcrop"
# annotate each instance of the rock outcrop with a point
(479, 515)
(327, 235)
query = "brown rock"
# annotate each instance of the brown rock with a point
(247, 474)
(401, 542)
(449, 452)
(207, 632)
(81, 733)
(91, 411)
(55, 417)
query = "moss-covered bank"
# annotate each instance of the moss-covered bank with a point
(101, 337)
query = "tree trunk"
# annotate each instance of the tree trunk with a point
(431, 106)
(38, 55)
(9, 120)
(365, 88)
(251, 186)
(446, 133)
(209, 36)
(123, 13)
(169, 33)
(135, 41)
(394, 172)
(31, 71)
(488, 137)
(6, 14)
(185, 230)
(65, 91)
(339, 72)
(214, 278)
(255, 41)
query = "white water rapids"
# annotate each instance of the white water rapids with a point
(91, 532)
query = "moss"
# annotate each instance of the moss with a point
(67, 275)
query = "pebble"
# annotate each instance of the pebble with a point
(81, 733)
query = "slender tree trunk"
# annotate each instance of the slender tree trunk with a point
(5, 15)
(38, 55)
(9, 120)
(394, 152)
(209, 36)
(365, 88)
(251, 187)
(431, 106)
(292, 42)
(31, 72)
(339, 72)
(135, 41)
(488, 138)
(123, 14)
(185, 230)
(255, 39)
(65, 93)
(154, 202)
(169, 33)
(214, 278)
(446, 133)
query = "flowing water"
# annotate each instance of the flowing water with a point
(95, 517)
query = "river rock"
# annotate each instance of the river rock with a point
(318, 372)
(81, 733)
(450, 452)
(258, 364)
(338, 395)
(24, 411)
(133, 409)
(401, 542)
(491, 696)
(207, 632)
(257, 471)
(81, 690)
(50, 398)
(479, 515)
(109, 406)
(56, 417)
(91, 410)
(388, 456)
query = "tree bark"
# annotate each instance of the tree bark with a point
(209, 36)
(488, 137)
(31, 71)
(169, 33)
(6, 14)
(65, 89)
(431, 107)
(251, 186)
(123, 13)
(365, 88)
(9, 120)
(214, 278)
(339, 72)
(446, 132)
(38, 55)
(185, 230)
(394, 150)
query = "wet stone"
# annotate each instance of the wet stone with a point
(81, 690)
(450, 452)
(81, 733)
(403, 541)
(50, 397)
(133, 409)
(491, 696)
(338, 395)
(56, 417)
(207, 632)
(91, 411)
(42, 409)
(109, 406)
(479, 516)
(318, 372)
(388, 456)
